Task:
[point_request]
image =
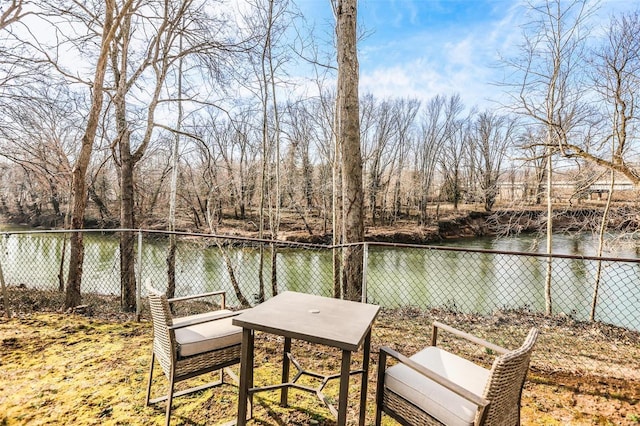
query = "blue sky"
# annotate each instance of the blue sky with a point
(421, 48)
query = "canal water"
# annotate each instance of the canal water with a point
(396, 276)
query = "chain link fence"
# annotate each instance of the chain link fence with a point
(485, 281)
(440, 280)
(471, 281)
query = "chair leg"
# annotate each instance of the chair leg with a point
(382, 364)
(153, 358)
(169, 399)
(170, 393)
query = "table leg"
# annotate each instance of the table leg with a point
(284, 392)
(246, 375)
(365, 377)
(344, 387)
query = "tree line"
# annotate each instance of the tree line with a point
(185, 112)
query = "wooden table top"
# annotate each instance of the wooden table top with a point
(317, 319)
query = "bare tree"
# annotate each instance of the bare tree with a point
(349, 136)
(328, 145)
(235, 140)
(616, 78)
(617, 81)
(111, 22)
(549, 88)
(453, 150)
(300, 132)
(164, 22)
(39, 134)
(267, 23)
(384, 130)
(175, 162)
(404, 121)
(491, 136)
(433, 129)
(531, 143)
(377, 158)
(206, 146)
(12, 12)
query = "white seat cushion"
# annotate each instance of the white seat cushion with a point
(207, 336)
(439, 402)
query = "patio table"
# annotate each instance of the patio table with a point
(332, 322)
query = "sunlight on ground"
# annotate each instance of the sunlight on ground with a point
(59, 369)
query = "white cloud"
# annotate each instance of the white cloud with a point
(458, 58)
(421, 49)
(423, 80)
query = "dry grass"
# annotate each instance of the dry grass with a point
(69, 369)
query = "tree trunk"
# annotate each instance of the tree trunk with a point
(603, 229)
(127, 240)
(547, 281)
(5, 296)
(78, 184)
(171, 255)
(232, 275)
(336, 203)
(349, 135)
(127, 222)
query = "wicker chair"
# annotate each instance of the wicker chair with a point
(436, 387)
(187, 347)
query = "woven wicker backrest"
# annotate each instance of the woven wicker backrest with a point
(163, 338)
(504, 387)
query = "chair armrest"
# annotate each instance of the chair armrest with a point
(204, 320)
(470, 337)
(201, 295)
(432, 375)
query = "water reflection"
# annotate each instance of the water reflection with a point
(424, 278)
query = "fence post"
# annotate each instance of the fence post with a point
(5, 296)
(139, 278)
(365, 261)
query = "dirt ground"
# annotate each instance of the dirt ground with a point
(70, 369)
(443, 223)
